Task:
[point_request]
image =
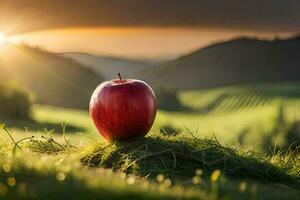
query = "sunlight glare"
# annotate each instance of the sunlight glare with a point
(2, 38)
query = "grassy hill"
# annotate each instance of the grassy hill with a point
(52, 79)
(155, 167)
(242, 60)
(109, 66)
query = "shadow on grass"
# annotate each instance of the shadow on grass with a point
(178, 158)
(33, 125)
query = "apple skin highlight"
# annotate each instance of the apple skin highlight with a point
(123, 109)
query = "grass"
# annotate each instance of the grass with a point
(155, 167)
(179, 157)
(57, 177)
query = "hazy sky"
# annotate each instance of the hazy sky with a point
(132, 42)
(144, 28)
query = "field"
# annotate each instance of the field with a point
(225, 143)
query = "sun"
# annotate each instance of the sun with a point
(2, 38)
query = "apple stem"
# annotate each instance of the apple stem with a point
(120, 77)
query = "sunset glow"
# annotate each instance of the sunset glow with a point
(2, 38)
(129, 42)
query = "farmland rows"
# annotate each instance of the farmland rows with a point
(243, 97)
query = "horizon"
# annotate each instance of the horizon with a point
(135, 43)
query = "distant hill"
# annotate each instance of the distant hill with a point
(109, 66)
(52, 79)
(242, 60)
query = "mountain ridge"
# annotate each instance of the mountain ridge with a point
(237, 61)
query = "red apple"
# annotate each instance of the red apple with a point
(123, 108)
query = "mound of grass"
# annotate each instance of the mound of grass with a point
(179, 157)
(55, 171)
(61, 176)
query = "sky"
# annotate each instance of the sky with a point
(143, 28)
